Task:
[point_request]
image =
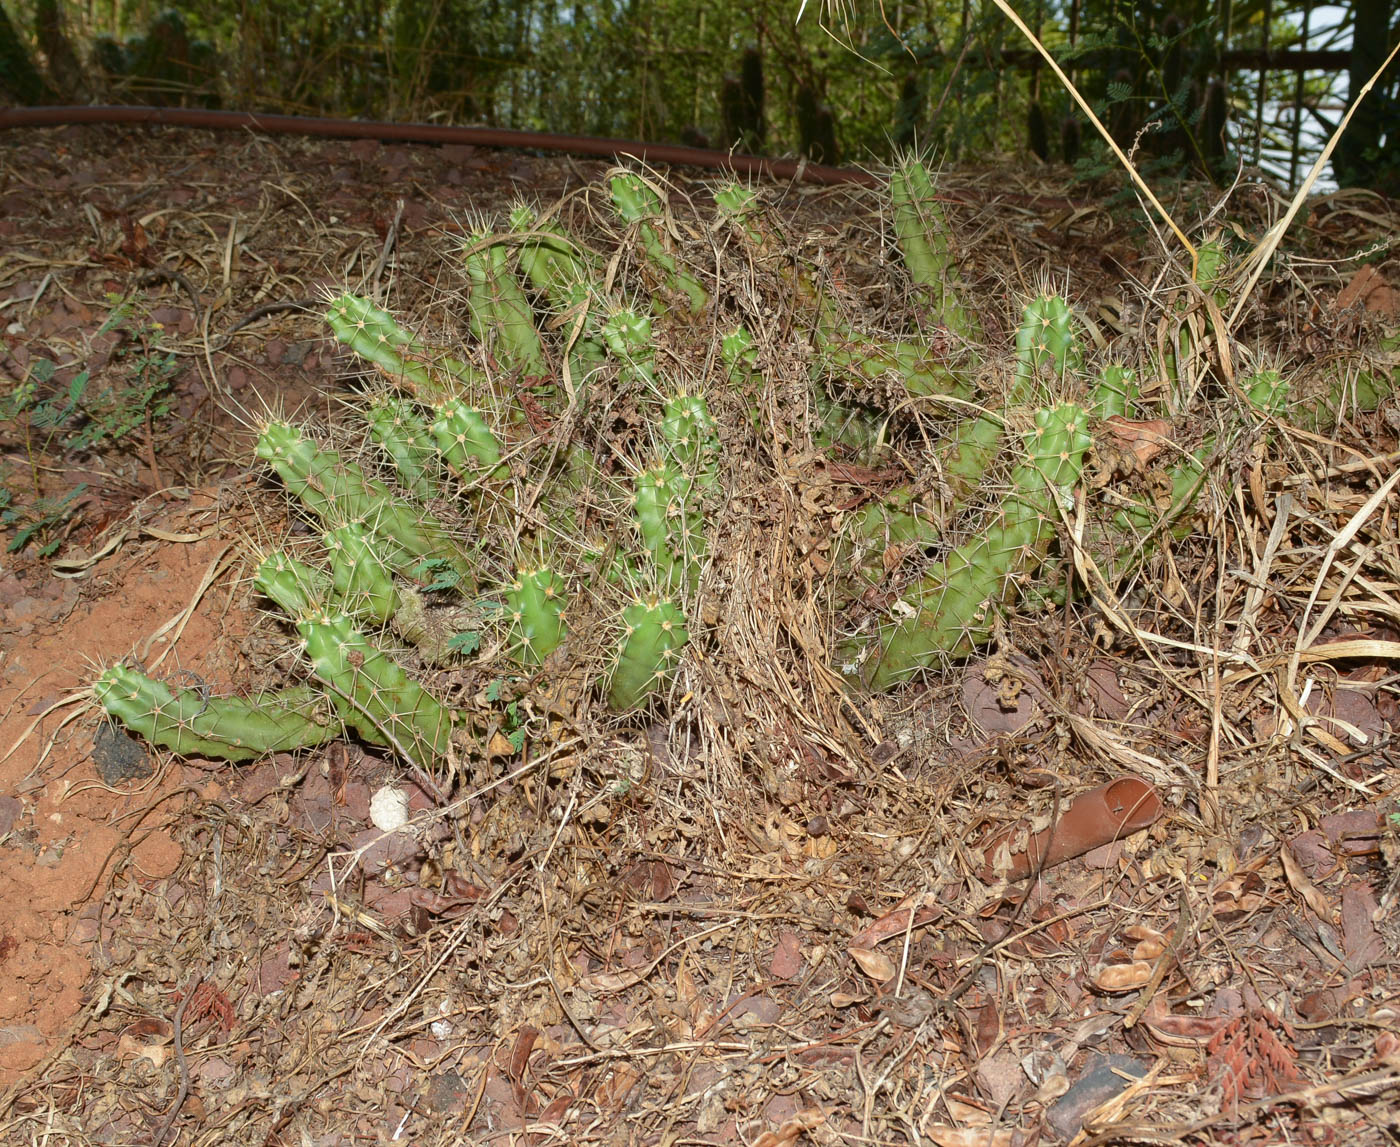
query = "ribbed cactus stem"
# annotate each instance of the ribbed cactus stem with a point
(956, 603)
(1267, 390)
(551, 260)
(922, 231)
(403, 434)
(535, 606)
(466, 442)
(741, 207)
(372, 692)
(336, 491)
(654, 633)
(500, 313)
(667, 521)
(638, 205)
(193, 724)
(374, 334)
(1046, 341)
(627, 335)
(298, 588)
(844, 353)
(1115, 391)
(691, 437)
(363, 583)
(739, 355)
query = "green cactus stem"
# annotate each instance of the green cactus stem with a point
(501, 316)
(1113, 395)
(363, 583)
(740, 205)
(671, 525)
(628, 336)
(550, 259)
(1047, 339)
(336, 490)
(691, 438)
(638, 205)
(189, 722)
(845, 354)
(922, 231)
(654, 633)
(740, 357)
(396, 425)
(467, 443)
(298, 588)
(535, 606)
(374, 335)
(955, 604)
(372, 692)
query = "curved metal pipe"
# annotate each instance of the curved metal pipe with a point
(785, 169)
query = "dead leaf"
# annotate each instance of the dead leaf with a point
(148, 1038)
(608, 981)
(519, 1061)
(1185, 1031)
(876, 965)
(1303, 886)
(787, 959)
(946, 1136)
(1113, 978)
(805, 1120)
(897, 922)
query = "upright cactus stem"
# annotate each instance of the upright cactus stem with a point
(374, 335)
(1047, 340)
(467, 443)
(404, 436)
(501, 315)
(535, 606)
(336, 491)
(1113, 395)
(638, 205)
(627, 335)
(361, 580)
(668, 519)
(956, 603)
(550, 259)
(692, 438)
(654, 632)
(922, 231)
(372, 692)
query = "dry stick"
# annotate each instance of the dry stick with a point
(1103, 131)
(1265, 248)
(184, 1089)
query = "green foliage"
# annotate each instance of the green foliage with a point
(133, 389)
(38, 522)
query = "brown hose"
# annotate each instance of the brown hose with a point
(785, 169)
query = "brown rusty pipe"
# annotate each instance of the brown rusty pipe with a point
(1099, 816)
(437, 133)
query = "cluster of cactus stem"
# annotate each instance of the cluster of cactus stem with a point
(443, 486)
